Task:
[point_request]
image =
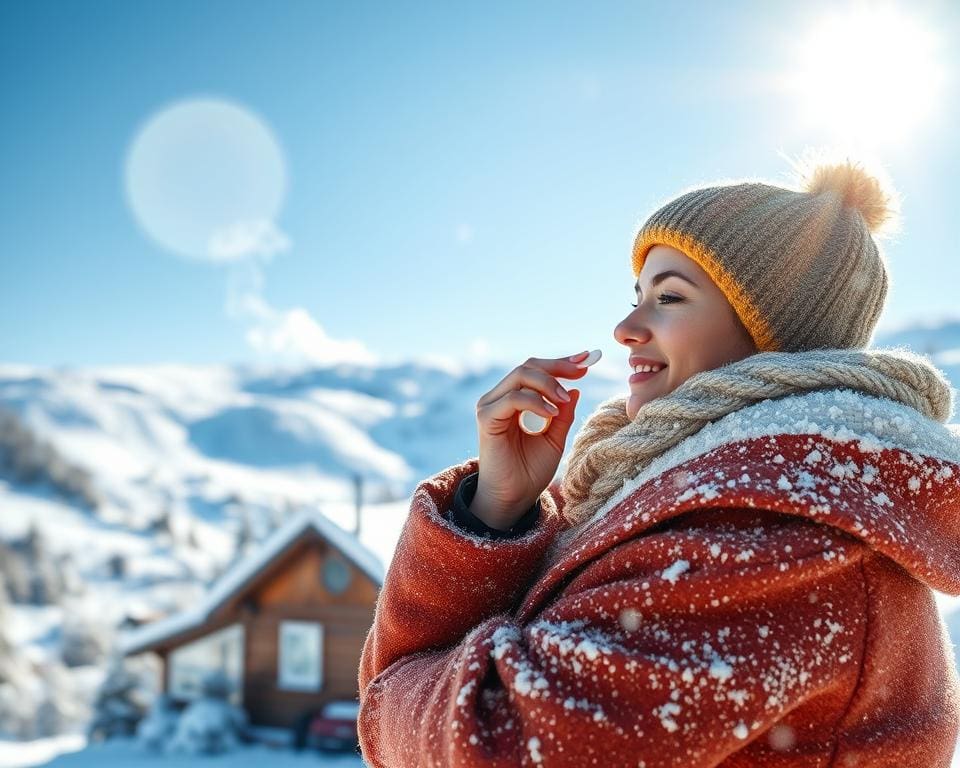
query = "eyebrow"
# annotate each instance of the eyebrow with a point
(659, 278)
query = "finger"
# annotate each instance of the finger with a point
(538, 374)
(560, 425)
(505, 408)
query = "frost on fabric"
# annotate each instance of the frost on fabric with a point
(672, 573)
(465, 692)
(720, 670)
(881, 497)
(630, 619)
(624, 666)
(503, 637)
(832, 416)
(478, 541)
(533, 745)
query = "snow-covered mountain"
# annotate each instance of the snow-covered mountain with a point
(137, 483)
(175, 464)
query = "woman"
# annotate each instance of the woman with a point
(736, 568)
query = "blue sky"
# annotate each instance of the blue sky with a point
(460, 180)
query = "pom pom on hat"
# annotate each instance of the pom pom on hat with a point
(868, 191)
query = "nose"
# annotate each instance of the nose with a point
(632, 331)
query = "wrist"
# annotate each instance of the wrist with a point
(492, 514)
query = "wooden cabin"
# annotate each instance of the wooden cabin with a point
(286, 625)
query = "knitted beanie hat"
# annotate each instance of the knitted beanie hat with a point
(799, 267)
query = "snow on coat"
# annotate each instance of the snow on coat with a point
(759, 596)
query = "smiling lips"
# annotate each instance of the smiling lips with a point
(644, 375)
(644, 368)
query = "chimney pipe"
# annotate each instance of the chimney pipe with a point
(358, 487)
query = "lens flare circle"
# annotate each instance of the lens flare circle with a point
(201, 169)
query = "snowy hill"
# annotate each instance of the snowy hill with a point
(160, 435)
(185, 460)
(176, 465)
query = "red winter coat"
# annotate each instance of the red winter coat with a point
(764, 602)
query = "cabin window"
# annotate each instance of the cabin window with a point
(300, 665)
(190, 664)
(336, 575)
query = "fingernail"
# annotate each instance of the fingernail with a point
(574, 358)
(552, 408)
(562, 394)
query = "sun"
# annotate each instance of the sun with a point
(867, 75)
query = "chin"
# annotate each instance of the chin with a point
(636, 400)
(634, 403)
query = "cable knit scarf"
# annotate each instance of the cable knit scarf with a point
(610, 448)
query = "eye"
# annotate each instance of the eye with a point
(665, 298)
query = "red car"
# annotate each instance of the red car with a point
(333, 727)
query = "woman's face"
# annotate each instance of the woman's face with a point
(682, 321)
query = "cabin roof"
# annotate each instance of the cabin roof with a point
(236, 579)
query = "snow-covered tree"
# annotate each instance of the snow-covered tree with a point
(121, 702)
(162, 524)
(33, 545)
(46, 582)
(32, 574)
(117, 565)
(15, 573)
(192, 539)
(156, 729)
(28, 459)
(84, 642)
(71, 580)
(14, 681)
(210, 725)
(7, 651)
(50, 717)
(244, 537)
(61, 705)
(38, 700)
(16, 712)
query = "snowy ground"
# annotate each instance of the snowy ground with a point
(69, 752)
(14, 754)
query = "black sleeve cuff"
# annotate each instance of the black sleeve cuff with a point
(461, 516)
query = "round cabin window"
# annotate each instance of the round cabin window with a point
(336, 575)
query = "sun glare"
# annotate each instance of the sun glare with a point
(867, 75)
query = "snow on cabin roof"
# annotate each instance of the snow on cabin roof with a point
(240, 575)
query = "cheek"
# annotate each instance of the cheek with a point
(722, 342)
(696, 344)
